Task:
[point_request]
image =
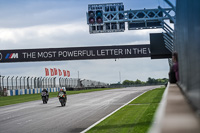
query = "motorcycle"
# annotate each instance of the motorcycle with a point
(44, 97)
(62, 98)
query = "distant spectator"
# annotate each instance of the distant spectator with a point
(173, 74)
(175, 65)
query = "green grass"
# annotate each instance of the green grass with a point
(153, 96)
(31, 97)
(136, 117)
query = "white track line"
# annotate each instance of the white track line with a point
(110, 114)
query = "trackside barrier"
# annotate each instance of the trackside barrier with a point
(31, 91)
(24, 82)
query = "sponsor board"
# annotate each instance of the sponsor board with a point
(75, 53)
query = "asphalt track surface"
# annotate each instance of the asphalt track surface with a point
(80, 112)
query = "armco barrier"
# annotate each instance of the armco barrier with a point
(31, 91)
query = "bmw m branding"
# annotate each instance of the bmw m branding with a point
(11, 56)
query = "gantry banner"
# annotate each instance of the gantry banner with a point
(75, 53)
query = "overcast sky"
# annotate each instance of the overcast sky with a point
(27, 24)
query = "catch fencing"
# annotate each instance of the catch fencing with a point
(13, 83)
(32, 85)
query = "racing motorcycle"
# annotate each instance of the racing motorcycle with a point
(44, 97)
(62, 98)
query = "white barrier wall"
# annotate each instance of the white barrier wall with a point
(31, 91)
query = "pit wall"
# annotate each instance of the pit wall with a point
(187, 45)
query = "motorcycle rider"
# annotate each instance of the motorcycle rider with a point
(45, 90)
(61, 90)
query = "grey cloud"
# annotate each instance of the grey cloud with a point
(29, 13)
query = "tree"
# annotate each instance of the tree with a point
(149, 81)
(138, 81)
(126, 82)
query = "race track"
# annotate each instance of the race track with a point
(81, 111)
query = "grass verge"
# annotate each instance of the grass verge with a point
(31, 97)
(135, 117)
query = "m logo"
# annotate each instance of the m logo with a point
(11, 56)
(1, 56)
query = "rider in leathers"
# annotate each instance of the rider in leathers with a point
(61, 90)
(44, 90)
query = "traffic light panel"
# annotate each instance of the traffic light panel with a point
(95, 17)
(91, 16)
(99, 17)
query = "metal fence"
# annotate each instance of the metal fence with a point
(23, 82)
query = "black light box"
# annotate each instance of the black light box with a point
(157, 47)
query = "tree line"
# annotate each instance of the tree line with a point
(150, 81)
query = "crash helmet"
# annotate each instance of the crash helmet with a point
(61, 89)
